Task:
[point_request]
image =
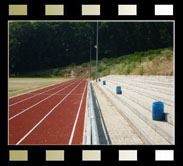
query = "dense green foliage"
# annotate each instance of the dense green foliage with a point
(35, 46)
(151, 62)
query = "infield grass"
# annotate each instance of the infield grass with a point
(18, 86)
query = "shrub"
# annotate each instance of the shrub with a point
(151, 57)
(149, 52)
(105, 73)
(158, 51)
(133, 65)
(55, 72)
(135, 58)
(141, 70)
(85, 65)
(127, 69)
(93, 62)
(166, 52)
(105, 60)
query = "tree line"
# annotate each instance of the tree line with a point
(36, 46)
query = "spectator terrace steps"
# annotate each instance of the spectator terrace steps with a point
(136, 105)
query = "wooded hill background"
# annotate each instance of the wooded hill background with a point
(35, 46)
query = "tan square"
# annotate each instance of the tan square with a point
(54, 155)
(127, 9)
(18, 155)
(90, 10)
(91, 155)
(15, 10)
(54, 10)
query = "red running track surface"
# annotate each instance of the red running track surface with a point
(55, 116)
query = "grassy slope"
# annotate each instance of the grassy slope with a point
(151, 62)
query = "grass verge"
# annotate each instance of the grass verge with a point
(19, 86)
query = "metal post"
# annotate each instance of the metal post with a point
(90, 57)
(97, 54)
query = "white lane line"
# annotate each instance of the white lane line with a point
(48, 114)
(36, 94)
(39, 102)
(61, 94)
(79, 109)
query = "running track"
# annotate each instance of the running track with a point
(49, 116)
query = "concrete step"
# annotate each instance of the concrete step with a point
(144, 81)
(164, 90)
(112, 126)
(163, 128)
(144, 101)
(166, 79)
(155, 95)
(147, 133)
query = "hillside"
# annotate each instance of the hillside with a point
(40, 46)
(151, 62)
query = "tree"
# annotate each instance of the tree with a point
(44, 45)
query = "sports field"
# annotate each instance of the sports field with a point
(18, 86)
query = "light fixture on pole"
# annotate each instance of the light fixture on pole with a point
(90, 55)
(97, 53)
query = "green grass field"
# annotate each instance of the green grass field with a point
(19, 86)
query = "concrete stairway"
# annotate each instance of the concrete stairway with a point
(135, 103)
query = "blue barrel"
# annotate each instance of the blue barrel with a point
(104, 83)
(158, 110)
(118, 90)
(99, 79)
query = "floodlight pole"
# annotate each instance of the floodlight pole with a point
(97, 54)
(90, 56)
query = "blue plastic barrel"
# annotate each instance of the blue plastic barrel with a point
(118, 90)
(99, 79)
(158, 110)
(104, 83)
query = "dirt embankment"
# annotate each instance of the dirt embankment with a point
(76, 72)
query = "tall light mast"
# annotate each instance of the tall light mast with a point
(97, 53)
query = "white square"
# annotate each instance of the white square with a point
(127, 155)
(164, 155)
(163, 10)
